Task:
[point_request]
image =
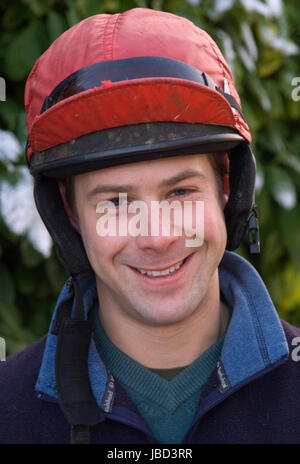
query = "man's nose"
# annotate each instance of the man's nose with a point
(160, 232)
(160, 244)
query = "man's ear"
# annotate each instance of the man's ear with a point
(226, 191)
(226, 185)
(72, 217)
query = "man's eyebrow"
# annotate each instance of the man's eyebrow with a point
(110, 188)
(182, 176)
(123, 188)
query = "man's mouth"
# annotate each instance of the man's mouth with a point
(163, 272)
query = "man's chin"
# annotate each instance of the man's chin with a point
(163, 316)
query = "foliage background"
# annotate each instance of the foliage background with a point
(260, 39)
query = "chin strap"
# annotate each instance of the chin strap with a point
(80, 435)
(72, 379)
(253, 232)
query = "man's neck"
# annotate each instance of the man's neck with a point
(168, 346)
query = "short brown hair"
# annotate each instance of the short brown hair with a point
(68, 183)
(219, 162)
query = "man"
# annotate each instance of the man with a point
(156, 337)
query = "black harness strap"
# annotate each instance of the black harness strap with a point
(80, 434)
(72, 379)
(231, 100)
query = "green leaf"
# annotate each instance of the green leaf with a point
(72, 14)
(7, 288)
(291, 295)
(26, 281)
(21, 129)
(56, 25)
(56, 274)
(269, 63)
(39, 7)
(30, 257)
(9, 111)
(14, 16)
(93, 7)
(24, 50)
(290, 229)
(289, 160)
(16, 336)
(10, 320)
(281, 187)
(293, 109)
(272, 250)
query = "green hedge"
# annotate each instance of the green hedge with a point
(261, 43)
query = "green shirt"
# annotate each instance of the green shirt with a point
(167, 399)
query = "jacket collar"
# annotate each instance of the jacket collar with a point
(255, 339)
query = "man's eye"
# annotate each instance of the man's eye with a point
(117, 201)
(181, 192)
(110, 205)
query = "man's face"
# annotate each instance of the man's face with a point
(119, 260)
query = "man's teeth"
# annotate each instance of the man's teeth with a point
(165, 272)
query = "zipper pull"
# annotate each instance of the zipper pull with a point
(64, 309)
(69, 284)
(253, 232)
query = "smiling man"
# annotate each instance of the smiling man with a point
(165, 337)
(153, 290)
